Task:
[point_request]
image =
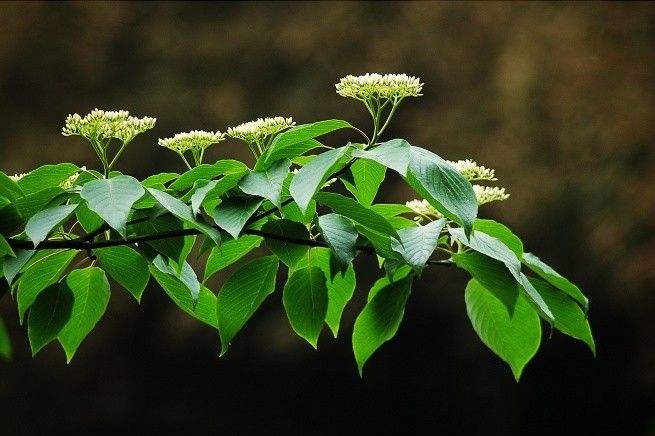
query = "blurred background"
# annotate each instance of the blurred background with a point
(559, 98)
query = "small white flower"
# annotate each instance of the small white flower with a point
(487, 194)
(101, 126)
(385, 86)
(472, 171)
(195, 140)
(260, 131)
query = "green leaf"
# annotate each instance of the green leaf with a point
(493, 275)
(242, 295)
(399, 274)
(392, 154)
(494, 248)
(229, 252)
(12, 265)
(340, 234)
(40, 225)
(232, 214)
(367, 176)
(297, 140)
(305, 299)
(514, 339)
(46, 176)
(90, 290)
(570, 319)
(184, 212)
(89, 220)
(48, 315)
(112, 199)
(204, 309)
(184, 273)
(9, 188)
(417, 244)
(267, 184)
(381, 243)
(390, 210)
(224, 184)
(177, 249)
(311, 178)
(127, 267)
(288, 252)
(5, 342)
(554, 278)
(199, 194)
(340, 288)
(206, 172)
(10, 217)
(500, 232)
(292, 212)
(38, 275)
(159, 180)
(443, 186)
(359, 213)
(35, 202)
(5, 248)
(379, 320)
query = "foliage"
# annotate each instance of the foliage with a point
(67, 230)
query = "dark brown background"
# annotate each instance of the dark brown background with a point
(557, 97)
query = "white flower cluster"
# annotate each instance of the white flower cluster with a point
(17, 177)
(472, 171)
(258, 132)
(194, 140)
(423, 209)
(487, 194)
(101, 126)
(384, 86)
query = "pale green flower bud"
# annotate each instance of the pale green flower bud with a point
(487, 194)
(195, 140)
(472, 171)
(384, 86)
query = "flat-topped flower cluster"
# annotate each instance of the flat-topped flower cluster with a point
(101, 126)
(193, 140)
(384, 86)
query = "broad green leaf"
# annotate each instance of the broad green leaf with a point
(494, 248)
(224, 184)
(12, 265)
(294, 141)
(292, 212)
(443, 186)
(311, 178)
(5, 248)
(242, 295)
(381, 243)
(282, 246)
(127, 267)
(88, 219)
(340, 288)
(48, 315)
(569, 317)
(359, 213)
(378, 322)
(417, 244)
(90, 290)
(204, 309)
(112, 199)
(367, 176)
(38, 275)
(305, 299)
(296, 150)
(392, 154)
(177, 249)
(184, 212)
(159, 181)
(554, 278)
(9, 188)
(492, 274)
(390, 210)
(46, 176)
(11, 219)
(514, 339)
(207, 172)
(232, 214)
(184, 273)
(229, 252)
(399, 274)
(267, 184)
(5, 342)
(40, 225)
(340, 234)
(35, 202)
(200, 193)
(500, 232)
